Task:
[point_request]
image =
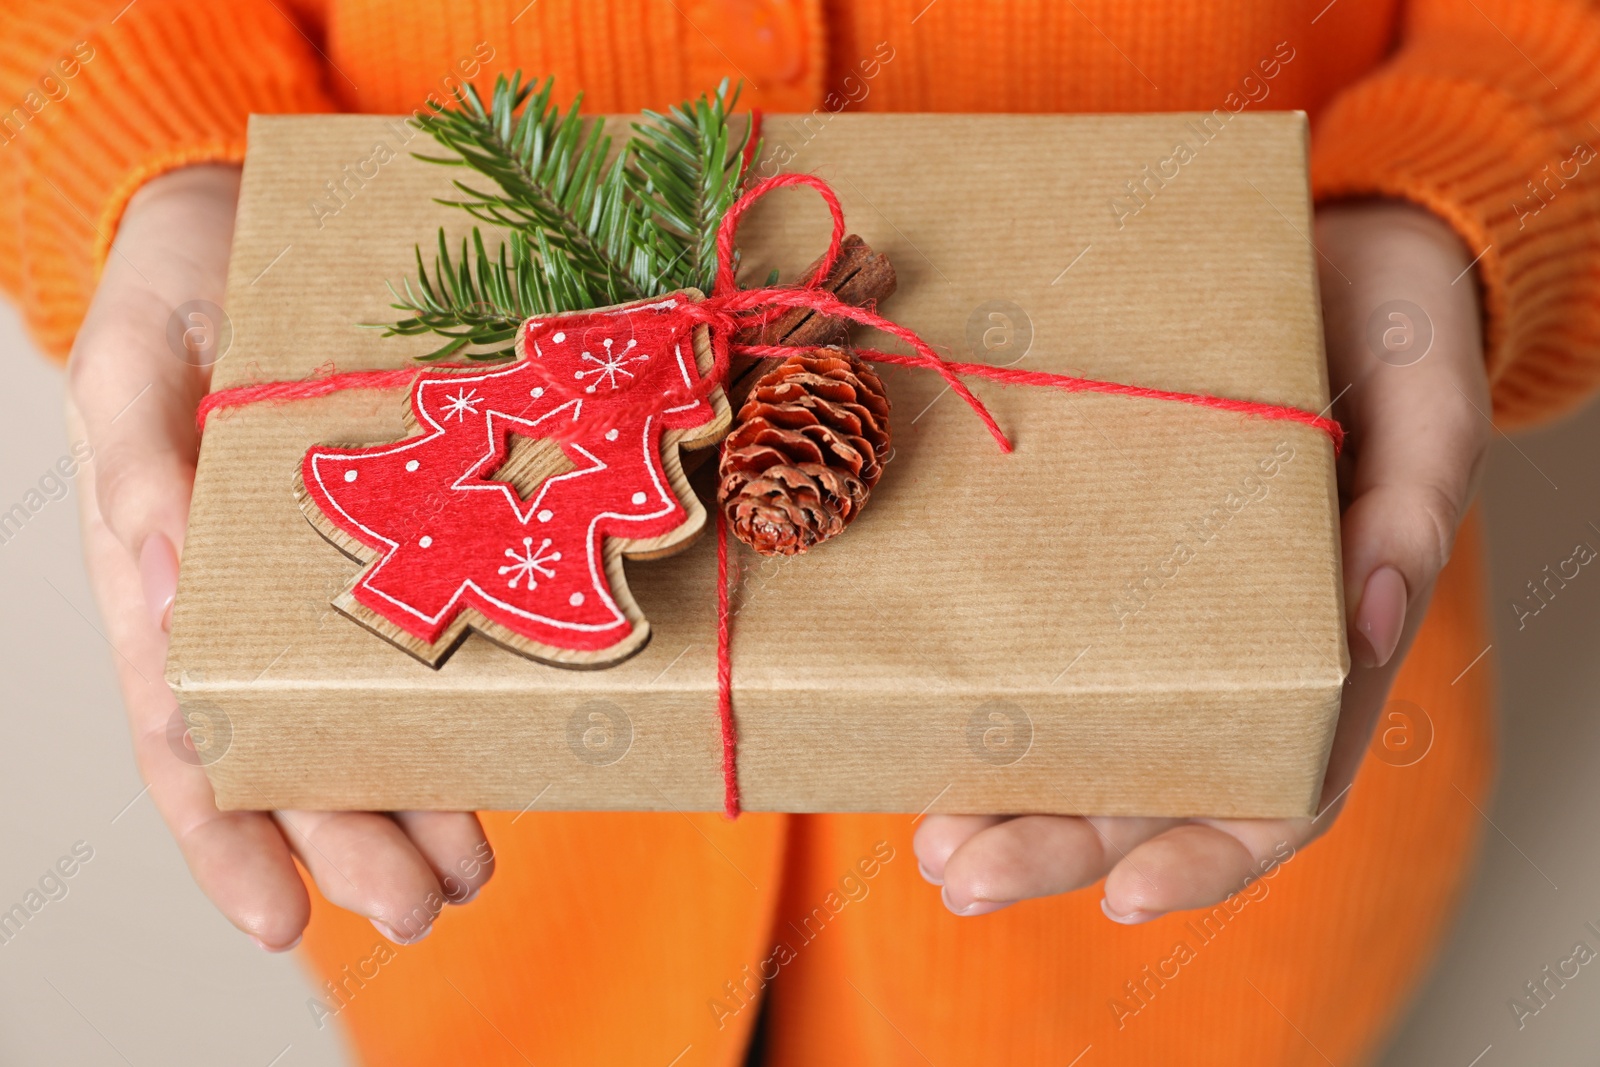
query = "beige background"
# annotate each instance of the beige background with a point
(133, 966)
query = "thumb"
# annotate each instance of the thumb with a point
(1403, 330)
(1417, 444)
(142, 358)
(138, 414)
(1421, 440)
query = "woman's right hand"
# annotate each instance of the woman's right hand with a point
(135, 381)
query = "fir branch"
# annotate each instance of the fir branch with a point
(551, 176)
(583, 233)
(689, 179)
(477, 312)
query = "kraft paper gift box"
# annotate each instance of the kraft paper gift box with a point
(1137, 612)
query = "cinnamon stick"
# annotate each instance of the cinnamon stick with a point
(860, 277)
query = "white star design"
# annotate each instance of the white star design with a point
(607, 369)
(529, 561)
(461, 404)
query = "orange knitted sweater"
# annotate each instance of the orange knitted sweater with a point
(1483, 110)
(649, 938)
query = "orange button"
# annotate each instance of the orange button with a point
(764, 39)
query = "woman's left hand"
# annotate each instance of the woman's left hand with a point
(1418, 433)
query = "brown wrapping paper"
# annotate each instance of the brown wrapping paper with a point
(1137, 612)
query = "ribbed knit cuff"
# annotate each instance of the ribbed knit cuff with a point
(170, 83)
(1468, 152)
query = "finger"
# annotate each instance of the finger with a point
(363, 862)
(1035, 856)
(940, 835)
(240, 862)
(1197, 864)
(454, 846)
(238, 859)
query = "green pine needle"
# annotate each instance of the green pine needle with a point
(582, 232)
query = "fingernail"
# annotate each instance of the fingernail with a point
(977, 907)
(1380, 617)
(472, 894)
(1361, 650)
(158, 571)
(927, 875)
(392, 935)
(1133, 918)
(264, 947)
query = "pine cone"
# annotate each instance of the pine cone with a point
(807, 448)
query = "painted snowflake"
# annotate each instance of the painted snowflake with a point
(528, 562)
(461, 404)
(610, 368)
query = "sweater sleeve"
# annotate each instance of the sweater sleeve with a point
(1487, 115)
(100, 96)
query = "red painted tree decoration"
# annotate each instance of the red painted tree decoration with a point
(511, 507)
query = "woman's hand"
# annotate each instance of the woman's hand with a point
(1393, 276)
(138, 368)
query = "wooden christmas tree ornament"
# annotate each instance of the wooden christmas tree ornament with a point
(510, 508)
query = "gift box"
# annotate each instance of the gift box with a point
(1138, 611)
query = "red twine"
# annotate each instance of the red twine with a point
(730, 310)
(730, 733)
(306, 389)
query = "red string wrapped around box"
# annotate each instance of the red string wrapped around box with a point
(727, 312)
